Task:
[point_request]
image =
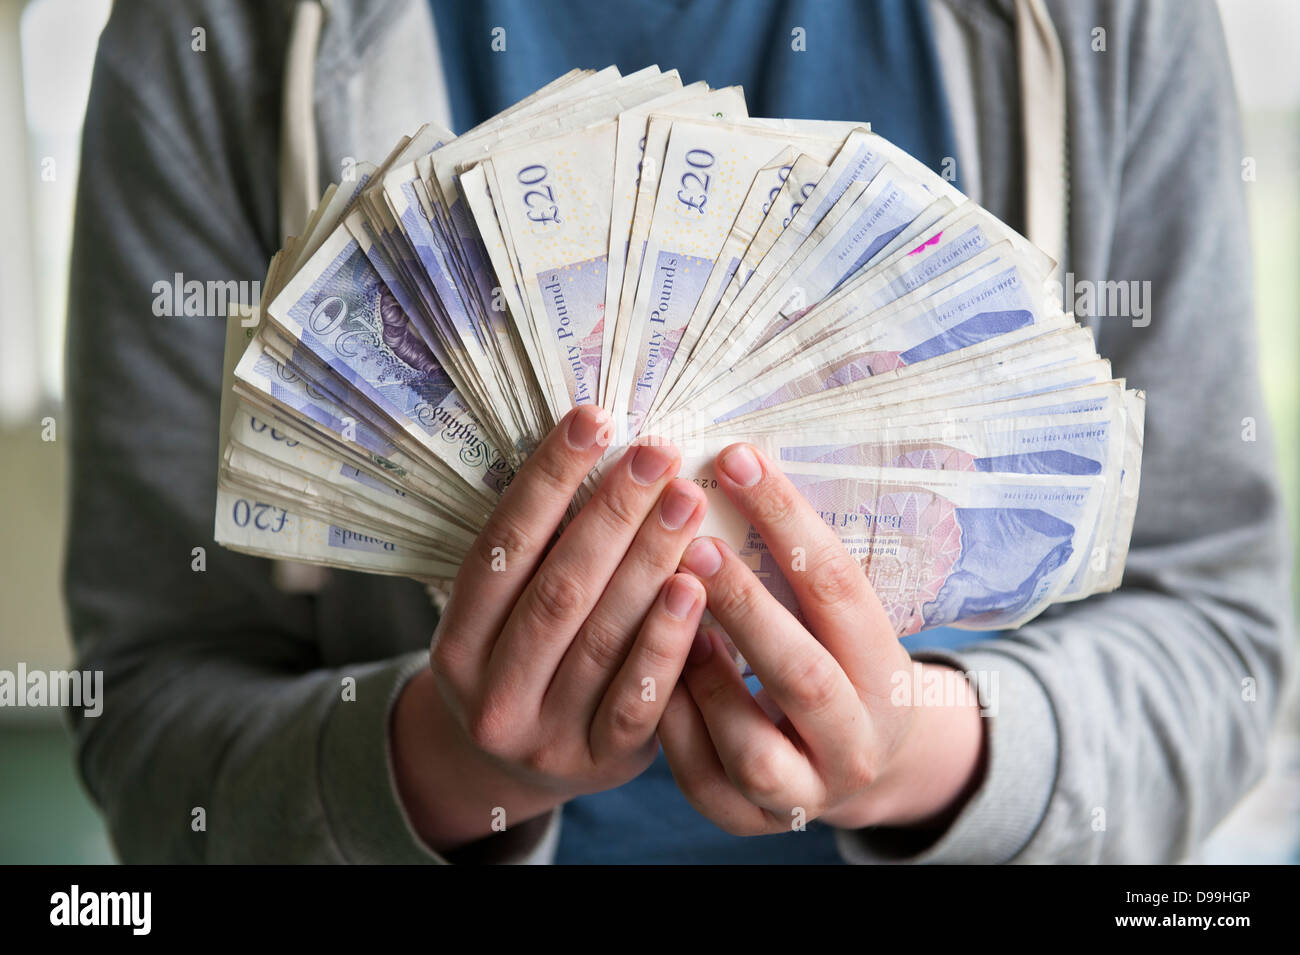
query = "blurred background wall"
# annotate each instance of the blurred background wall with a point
(46, 51)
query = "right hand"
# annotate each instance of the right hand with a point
(549, 673)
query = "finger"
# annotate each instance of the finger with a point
(699, 774)
(575, 573)
(607, 634)
(514, 540)
(834, 595)
(630, 710)
(761, 761)
(798, 673)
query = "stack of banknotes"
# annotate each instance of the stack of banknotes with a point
(707, 277)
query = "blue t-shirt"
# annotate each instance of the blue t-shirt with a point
(803, 59)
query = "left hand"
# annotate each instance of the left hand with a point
(841, 749)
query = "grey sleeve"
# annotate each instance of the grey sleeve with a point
(1129, 724)
(224, 737)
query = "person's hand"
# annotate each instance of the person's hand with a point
(552, 663)
(841, 748)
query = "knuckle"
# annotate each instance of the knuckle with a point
(811, 682)
(629, 719)
(491, 729)
(859, 772)
(620, 506)
(837, 580)
(539, 760)
(734, 600)
(760, 774)
(503, 537)
(774, 507)
(557, 597)
(654, 557)
(601, 645)
(444, 661)
(714, 696)
(657, 655)
(552, 468)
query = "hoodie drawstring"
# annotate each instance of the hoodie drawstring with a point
(299, 177)
(299, 163)
(1042, 97)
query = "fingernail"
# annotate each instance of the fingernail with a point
(677, 508)
(702, 557)
(649, 463)
(585, 427)
(679, 598)
(741, 466)
(701, 648)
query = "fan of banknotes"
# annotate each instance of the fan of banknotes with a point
(706, 277)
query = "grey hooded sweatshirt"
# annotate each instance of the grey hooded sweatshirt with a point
(1128, 724)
